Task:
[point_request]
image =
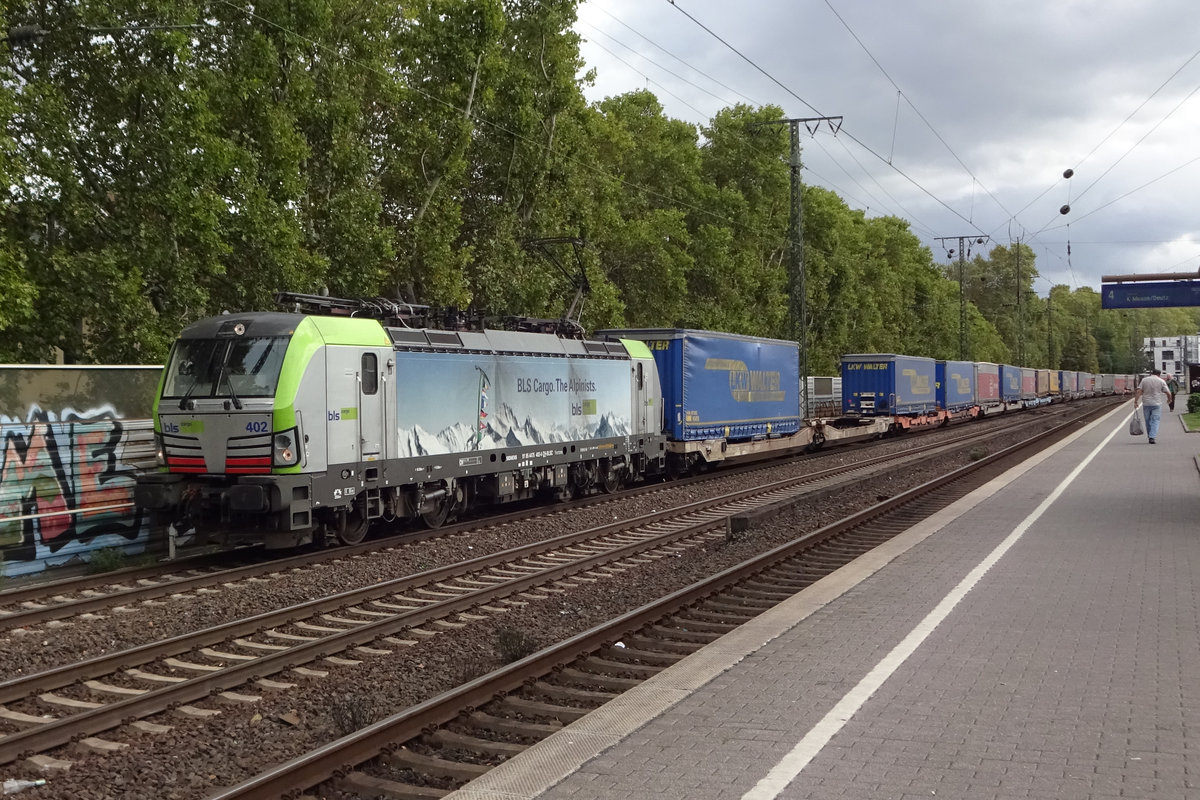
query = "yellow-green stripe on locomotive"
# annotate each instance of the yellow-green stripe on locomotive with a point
(289, 428)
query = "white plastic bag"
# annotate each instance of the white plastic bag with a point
(1135, 423)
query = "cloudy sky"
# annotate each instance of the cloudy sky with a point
(958, 117)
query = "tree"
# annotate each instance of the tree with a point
(639, 223)
(19, 293)
(449, 54)
(739, 281)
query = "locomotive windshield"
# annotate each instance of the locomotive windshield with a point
(234, 368)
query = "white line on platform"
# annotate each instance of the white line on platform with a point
(807, 748)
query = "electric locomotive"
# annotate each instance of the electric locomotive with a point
(285, 428)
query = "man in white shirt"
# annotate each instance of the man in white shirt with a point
(1153, 393)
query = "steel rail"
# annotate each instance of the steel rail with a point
(168, 586)
(91, 722)
(174, 585)
(711, 512)
(38, 592)
(340, 756)
(58, 677)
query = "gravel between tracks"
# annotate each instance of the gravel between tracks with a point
(196, 757)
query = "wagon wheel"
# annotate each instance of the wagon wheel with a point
(818, 440)
(675, 468)
(610, 480)
(353, 524)
(437, 517)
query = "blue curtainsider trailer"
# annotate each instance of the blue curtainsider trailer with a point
(723, 385)
(1010, 383)
(875, 384)
(956, 385)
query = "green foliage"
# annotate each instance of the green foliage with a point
(1193, 402)
(107, 559)
(153, 175)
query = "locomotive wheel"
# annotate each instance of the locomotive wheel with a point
(437, 517)
(610, 481)
(353, 524)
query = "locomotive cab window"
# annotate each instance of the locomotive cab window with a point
(370, 373)
(641, 377)
(230, 368)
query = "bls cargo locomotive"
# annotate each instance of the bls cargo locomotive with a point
(288, 428)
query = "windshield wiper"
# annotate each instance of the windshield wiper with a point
(186, 399)
(237, 403)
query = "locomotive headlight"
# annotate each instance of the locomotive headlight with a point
(285, 451)
(160, 456)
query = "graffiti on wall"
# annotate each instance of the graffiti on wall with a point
(66, 484)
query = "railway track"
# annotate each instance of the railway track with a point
(127, 589)
(248, 655)
(133, 684)
(428, 750)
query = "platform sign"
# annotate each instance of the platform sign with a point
(1163, 294)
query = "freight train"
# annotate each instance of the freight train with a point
(288, 428)
(918, 392)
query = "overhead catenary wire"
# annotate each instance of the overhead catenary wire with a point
(875, 201)
(1136, 144)
(657, 83)
(1134, 190)
(591, 168)
(475, 116)
(886, 160)
(815, 110)
(900, 94)
(1074, 278)
(1113, 132)
(748, 99)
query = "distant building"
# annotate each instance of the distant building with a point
(1172, 354)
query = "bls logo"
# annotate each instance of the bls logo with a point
(334, 416)
(576, 409)
(170, 427)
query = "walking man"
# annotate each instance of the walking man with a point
(1154, 393)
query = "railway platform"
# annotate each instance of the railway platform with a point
(1040, 638)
